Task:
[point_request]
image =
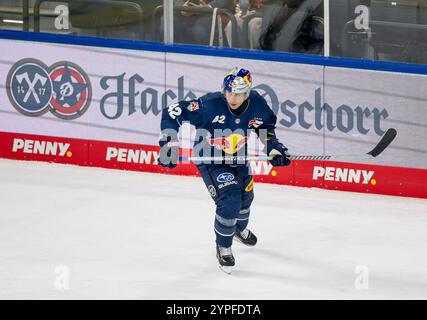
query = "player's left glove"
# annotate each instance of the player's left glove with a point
(280, 156)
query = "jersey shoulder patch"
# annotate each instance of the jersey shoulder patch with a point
(193, 105)
(190, 105)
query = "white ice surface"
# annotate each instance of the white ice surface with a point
(130, 235)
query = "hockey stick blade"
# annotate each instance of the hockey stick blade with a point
(385, 141)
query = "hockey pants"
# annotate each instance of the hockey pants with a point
(232, 190)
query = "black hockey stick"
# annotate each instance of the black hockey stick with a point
(385, 141)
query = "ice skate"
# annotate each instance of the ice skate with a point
(246, 237)
(225, 259)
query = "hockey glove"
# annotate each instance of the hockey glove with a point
(280, 156)
(169, 151)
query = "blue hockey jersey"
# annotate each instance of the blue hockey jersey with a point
(219, 131)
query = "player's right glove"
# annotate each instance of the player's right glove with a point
(280, 156)
(169, 150)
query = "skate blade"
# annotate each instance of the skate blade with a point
(245, 244)
(226, 269)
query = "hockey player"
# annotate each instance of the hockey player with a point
(224, 121)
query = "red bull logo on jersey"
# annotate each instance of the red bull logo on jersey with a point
(230, 144)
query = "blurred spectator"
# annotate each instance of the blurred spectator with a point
(260, 14)
(294, 26)
(195, 28)
(245, 10)
(117, 18)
